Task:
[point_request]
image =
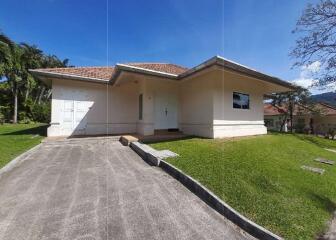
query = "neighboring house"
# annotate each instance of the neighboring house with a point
(319, 118)
(218, 98)
(275, 117)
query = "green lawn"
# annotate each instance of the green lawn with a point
(261, 178)
(18, 138)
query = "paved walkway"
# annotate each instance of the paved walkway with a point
(99, 189)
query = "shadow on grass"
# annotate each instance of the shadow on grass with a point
(312, 139)
(329, 206)
(40, 130)
(324, 202)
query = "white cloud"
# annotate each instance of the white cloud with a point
(312, 68)
(305, 82)
(306, 78)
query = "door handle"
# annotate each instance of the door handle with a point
(166, 111)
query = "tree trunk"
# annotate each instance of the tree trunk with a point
(283, 122)
(15, 92)
(49, 94)
(26, 94)
(291, 116)
(41, 95)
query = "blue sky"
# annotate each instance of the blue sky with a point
(256, 33)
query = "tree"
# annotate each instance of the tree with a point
(6, 46)
(32, 58)
(28, 93)
(317, 40)
(289, 101)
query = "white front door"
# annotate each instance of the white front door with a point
(165, 107)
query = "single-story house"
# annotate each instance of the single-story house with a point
(318, 118)
(218, 98)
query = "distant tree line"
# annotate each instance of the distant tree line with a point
(23, 97)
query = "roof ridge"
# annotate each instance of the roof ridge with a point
(61, 68)
(327, 105)
(161, 63)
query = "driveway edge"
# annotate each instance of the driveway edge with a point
(145, 152)
(220, 206)
(18, 160)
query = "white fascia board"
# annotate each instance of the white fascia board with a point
(199, 67)
(145, 70)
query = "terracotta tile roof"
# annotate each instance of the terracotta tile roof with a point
(320, 108)
(105, 73)
(270, 110)
(161, 67)
(326, 109)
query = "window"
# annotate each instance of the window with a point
(269, 122)
(241, 100)
(140, 106)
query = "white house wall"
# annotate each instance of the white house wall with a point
(112, 110)
(196, 105)
(232, 122)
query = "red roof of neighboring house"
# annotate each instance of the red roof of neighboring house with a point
(269, 110)
(326, 109)
(322, 108)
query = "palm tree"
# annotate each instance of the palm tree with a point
(32, 58)
(11, 67)
(14, 72)
(15, 60)
(6, 45)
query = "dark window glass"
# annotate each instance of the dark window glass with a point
(140, 106)
(269, 122)
(241, 100)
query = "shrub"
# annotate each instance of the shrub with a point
(41, 112)
(300, 126)
(23, 118)
(2, 118)
(332, 133)
(5, 111)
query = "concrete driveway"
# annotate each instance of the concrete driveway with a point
(99, 189)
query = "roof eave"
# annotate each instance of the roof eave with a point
(132, 69)
(39, 73)
(233, 66)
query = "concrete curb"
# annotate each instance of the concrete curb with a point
(18, 160)
(213, 201)
(146, 153)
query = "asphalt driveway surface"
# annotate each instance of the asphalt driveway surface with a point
(99, 189)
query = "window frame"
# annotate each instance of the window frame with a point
(241, 106)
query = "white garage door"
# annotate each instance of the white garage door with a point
(74, 116)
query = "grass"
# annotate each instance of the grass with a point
(261, 178)
(18, 138)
